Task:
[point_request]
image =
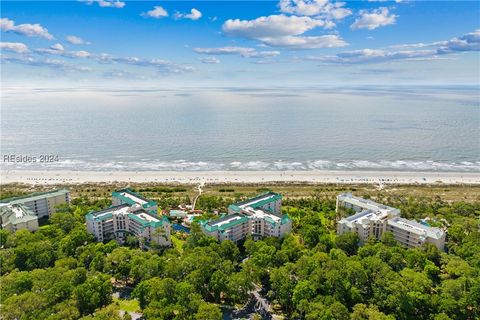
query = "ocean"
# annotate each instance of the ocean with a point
(430, 128)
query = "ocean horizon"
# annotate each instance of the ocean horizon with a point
(385, 128)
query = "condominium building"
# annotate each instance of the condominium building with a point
(14, 217)
(232, 227)
(124, 219)
(43, 204)
(132, 198)
(23, 212)
(259, 217)
(413, 234)
(373, 219)
(349, 201)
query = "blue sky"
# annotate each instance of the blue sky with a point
(229, 43)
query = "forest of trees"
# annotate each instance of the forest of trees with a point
(60, 272)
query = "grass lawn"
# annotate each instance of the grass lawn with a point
(128, 305)
(177, 243)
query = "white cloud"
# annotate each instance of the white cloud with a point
(76, 40)
(242, 51)
(265, 61)
(58, 49)
(320, 8)
(157, 12)
(161, 66)
(79, 54)
(57, 46)
(374, 19)
(464, 43)
(106, 3)
(55, 64)
(26, 29)
(467, 42)
(416, 45)
(14, 46)
(271, 26)
(301, 42)
(376, 55)
(121, 74)
(193, 15)
(283, 31)
(210, 60)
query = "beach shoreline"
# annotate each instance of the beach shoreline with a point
(247, 177)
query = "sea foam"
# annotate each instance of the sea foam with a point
(278, 165)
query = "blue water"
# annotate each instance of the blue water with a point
(179, 227)
(356, 128)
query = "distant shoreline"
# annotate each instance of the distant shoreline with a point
(219, 177)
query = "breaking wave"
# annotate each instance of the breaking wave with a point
(279, 165)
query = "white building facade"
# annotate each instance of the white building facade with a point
(259, 217)
(132, 198)
(23, 212)
(373, 219)
(124, 219)
(15, 217)
(43, 204)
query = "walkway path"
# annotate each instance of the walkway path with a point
(200, 190)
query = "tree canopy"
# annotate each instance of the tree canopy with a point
(60, 272)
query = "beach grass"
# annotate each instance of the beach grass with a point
(102, 191)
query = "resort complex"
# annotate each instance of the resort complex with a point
(16, 216)
(373, 219)
(259, 217)
(132, 198)
(130, 214)
(23, 212)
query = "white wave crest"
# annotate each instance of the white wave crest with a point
(279, 165)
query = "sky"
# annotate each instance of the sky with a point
(298, 43)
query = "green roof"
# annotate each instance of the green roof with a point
(156, 224)
(234, 207)
(269, 219)
(117, 194)
(108, 213)
(8, 214)
(232, 223)
(209, 227)
(35, 196)
(260, 202)
(265, 201)
(103, 217)
(94, 215)
(145, 223)
(285, 219)
(138, 219)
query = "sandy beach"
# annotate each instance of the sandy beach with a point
(197, 177)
